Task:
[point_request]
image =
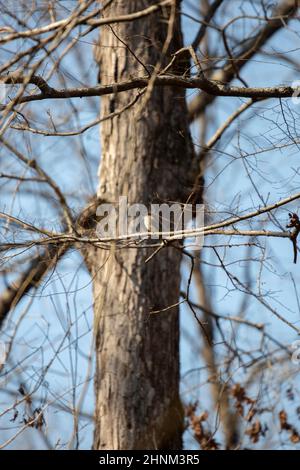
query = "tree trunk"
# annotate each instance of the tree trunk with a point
(146, 153)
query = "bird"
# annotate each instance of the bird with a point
(294, 223)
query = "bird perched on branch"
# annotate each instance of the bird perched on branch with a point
(294, 223)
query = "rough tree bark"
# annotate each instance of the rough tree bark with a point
(146, 154)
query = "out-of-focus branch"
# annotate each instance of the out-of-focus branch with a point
(220, 393)
(30, 278)
(283, 13)
(201, 157)
(209, 15)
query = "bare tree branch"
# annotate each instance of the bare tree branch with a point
(210, 87)
(283, 13)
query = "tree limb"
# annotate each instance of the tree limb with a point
(210, 87)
